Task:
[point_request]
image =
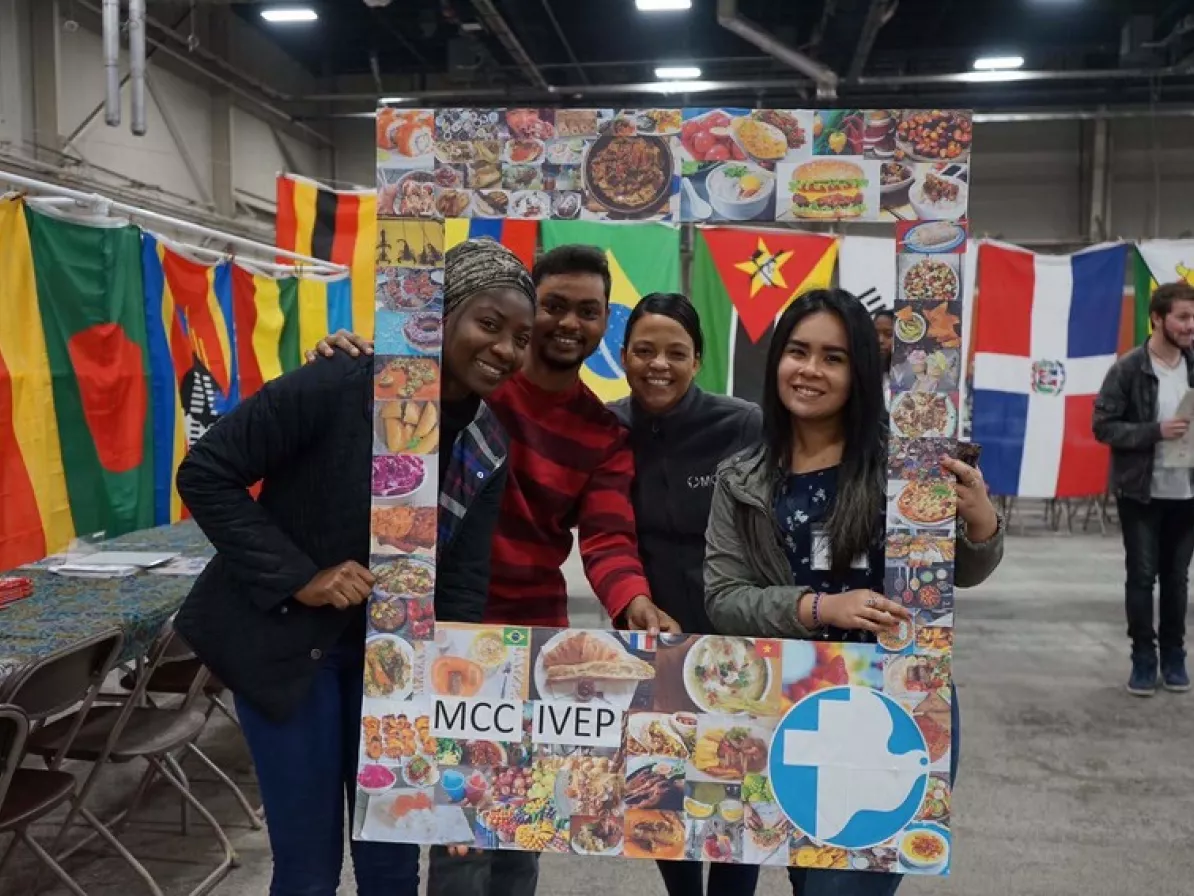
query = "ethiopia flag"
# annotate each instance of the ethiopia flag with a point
(643, 258)
(89, 291)
(35, 517)
(741, 281)
(332, 225)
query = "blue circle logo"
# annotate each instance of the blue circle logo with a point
(849, 767)
(606, 362)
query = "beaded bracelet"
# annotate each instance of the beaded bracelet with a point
(817, 609)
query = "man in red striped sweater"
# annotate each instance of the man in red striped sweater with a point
(569, 467)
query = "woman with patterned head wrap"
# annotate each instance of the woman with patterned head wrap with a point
(280, 613)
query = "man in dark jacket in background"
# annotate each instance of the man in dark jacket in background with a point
(1136, 414)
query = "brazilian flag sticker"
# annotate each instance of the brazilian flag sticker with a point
(516, 637)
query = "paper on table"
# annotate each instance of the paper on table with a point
(98, 571)
(182, 566)
(1180, 452)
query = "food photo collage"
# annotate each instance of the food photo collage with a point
(687, 775)
(695, 165)
(405, 476)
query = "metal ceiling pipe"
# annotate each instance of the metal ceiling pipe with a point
(137, 65)
(494, 22)
(878, 15)
(110, 18)
(824, 77)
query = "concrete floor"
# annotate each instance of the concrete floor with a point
(1068, 785)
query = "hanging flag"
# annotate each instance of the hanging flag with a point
(90, 292)
(192, 361)
(867, 268)
(35, 517)
(1157, 262)
(643, 258)
(520, 237)
(1045, 337)
(333, 225)
(741, 281)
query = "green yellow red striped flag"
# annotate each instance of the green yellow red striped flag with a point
(35, 516)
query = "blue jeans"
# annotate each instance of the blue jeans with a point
(307, 767)
(809, 882)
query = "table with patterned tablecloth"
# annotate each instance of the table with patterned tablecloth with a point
(63, 611)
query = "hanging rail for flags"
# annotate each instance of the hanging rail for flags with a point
(101, 204)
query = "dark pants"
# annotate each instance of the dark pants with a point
(498, 873)
(810, 882)
(686, 879)
(306, 767)
(1158, 545)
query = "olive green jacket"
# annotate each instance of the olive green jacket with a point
(748, 582)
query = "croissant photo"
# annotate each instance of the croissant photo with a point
(586, 656)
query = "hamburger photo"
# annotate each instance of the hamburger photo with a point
(828, 188)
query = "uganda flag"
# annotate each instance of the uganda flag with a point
(89, 292)
(741, 281)
(339, 226)
(643, 258)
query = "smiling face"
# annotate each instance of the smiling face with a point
(485, 342)
(1177, 327)
(660, 362)
(571, 319)
(813, 376)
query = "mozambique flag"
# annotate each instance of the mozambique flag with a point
(91, 297)
(332, 225)
(277, 319)
(35, 516)
(741, 281)
(1157, 262)
(192, 362)
(643, 258)
(520, 237)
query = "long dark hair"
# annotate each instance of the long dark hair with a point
(675, 305)
(860, 485)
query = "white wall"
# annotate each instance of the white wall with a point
(115, 156)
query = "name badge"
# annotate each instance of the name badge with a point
(823, 553)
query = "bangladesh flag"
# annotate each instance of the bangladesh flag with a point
(643, 258)
(89, 290)
(741, 281)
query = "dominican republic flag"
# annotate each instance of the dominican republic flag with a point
(1046, 334)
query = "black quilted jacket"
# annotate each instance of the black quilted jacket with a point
(308, 438)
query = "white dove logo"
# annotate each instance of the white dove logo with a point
(849, 767)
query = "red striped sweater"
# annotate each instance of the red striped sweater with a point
(569, 466)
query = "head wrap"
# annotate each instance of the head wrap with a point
(476, 265)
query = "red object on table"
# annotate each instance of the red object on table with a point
(14, 588)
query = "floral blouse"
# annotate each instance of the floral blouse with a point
(801, 505)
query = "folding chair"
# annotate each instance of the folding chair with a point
(130, 731)
(43, 690)
(26, 794)
(176, 677)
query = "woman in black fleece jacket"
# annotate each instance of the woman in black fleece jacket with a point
(279, 614)
(679, 434)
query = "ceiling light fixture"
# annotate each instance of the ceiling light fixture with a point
(395, 99)
(662, 5)
(677, 72)
(681, 86)
(989, 76)
(997, 63)
(288, 14)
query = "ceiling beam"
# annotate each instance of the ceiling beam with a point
(493, 20)
(824, 77)
(878, 15)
